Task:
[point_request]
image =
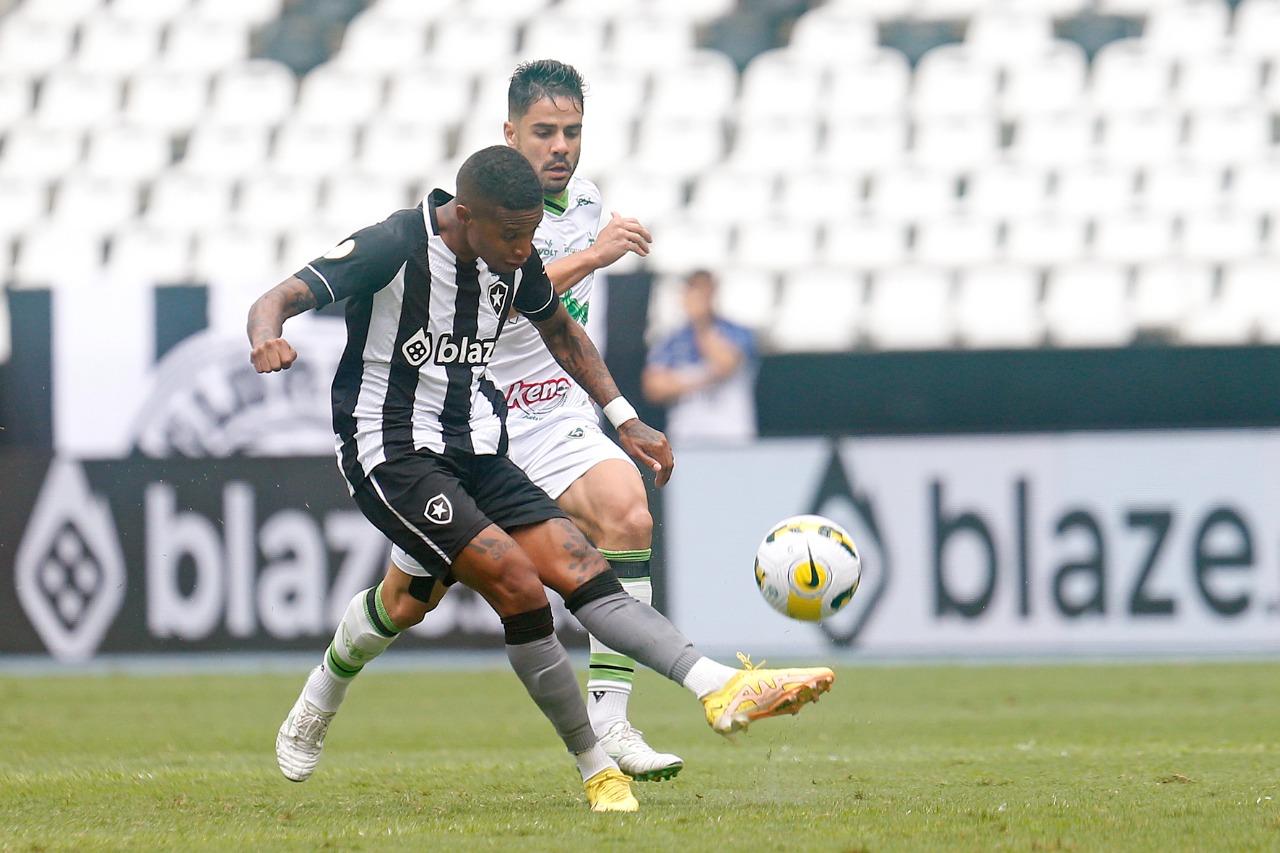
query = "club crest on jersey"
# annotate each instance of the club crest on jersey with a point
(498, 295)
(439, 510)
(447, 349)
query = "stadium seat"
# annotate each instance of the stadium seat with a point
(145, 256)
(372, 42)
(997, 306)
(910, 308)
(303, 150)
(40, 152)
(948, 9)
(955, 144)
(1220, 236)
(819, 310)
(1053, 81)
(690, 11)
(1229, 137)
(1255, 29)
(186, 202)
(166, 100)
(24, 200)
(1053, 140)
(1188, 27)
(473, 43)
(94, 205)
(272, 201)
(256, 92)
(864, 243)
(860, 145)
(950, 81)
(508, 10)
(1219, 81)
(817, 196)
(1087, 305)
(1128, 76)
(1166, 293)
(689, 244)
(34, 47)
(59, 12)
(775, 244)
(1141, 138)
(1095, 189)
(615, 93)
(726, 194)
(683, 146)
(956, 241)
(226, 150)
(449, 91)
(332, 95)
(231, 257)
(77, 100)
(747, 295)
(912, 194)
(875, 85)
(196, 45)
(17, 95)
(49, 256)
(1182, 187)
(251, 13)
(127, 151)
(577, 40)
(825, 33)
(880, 10)
(1255, 188)
(646, 41)
(704, 86)
(1045, 241)
(779, 85)
(112, 45)
(1006, 190)
(148, 11)
(302, 244)
(647, 196)
(1133, 237)
(1008, 35)
(773, 143)
(1247, 303)
(352, 201)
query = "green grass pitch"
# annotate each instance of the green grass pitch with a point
(1123, 757)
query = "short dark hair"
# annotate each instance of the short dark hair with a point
(543, 78)
(499, 176)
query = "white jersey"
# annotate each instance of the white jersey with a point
(535, 385)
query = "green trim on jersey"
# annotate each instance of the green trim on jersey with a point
(577, 310)
(557, 204)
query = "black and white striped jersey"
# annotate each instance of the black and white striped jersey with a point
(421, 327)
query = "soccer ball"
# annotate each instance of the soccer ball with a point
(808, 567)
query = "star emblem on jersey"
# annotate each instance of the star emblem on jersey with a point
(439, 510)
(498, 296)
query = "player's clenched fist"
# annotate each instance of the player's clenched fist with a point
(272, 355)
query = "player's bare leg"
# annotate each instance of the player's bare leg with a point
(372, 621)
(609, 504)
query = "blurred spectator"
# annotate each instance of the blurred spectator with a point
(704, 372)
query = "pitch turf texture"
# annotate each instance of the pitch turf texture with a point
(1061, 757)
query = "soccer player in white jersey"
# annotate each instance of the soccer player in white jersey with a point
(554, 430)
(422, 443)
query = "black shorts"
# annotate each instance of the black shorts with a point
(432, 505)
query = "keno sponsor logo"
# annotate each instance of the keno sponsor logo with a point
(537, 398)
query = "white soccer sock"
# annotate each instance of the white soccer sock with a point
(706, 675)
(592, 761)
(364, 633)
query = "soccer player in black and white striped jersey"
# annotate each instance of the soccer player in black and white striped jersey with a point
(422, 441)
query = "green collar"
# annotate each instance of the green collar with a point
(557, 204)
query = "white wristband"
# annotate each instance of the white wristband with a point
(619, 411)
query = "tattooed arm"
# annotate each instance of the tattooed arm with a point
(573, 349)
(270, 351)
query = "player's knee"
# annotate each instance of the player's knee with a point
(512, 584)
(406, 611)
(629, 529)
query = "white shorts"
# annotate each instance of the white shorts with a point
(556, 452)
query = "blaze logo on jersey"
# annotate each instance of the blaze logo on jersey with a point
(447, 349)
(497, 296)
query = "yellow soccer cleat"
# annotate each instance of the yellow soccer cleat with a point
(755, 693)
(610, 791)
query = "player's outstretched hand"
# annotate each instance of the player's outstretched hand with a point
(649, 447)
(619, 236)
(273, 354)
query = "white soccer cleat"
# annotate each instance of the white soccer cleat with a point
(624, 744)
(301, 740)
